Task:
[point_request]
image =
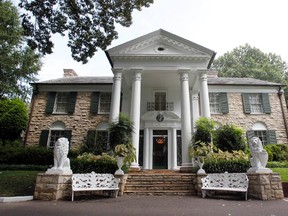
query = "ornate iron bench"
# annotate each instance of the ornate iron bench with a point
(237, 182)
(95, 182)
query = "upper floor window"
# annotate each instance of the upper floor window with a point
(100, 102)
(260, 130)
(160, 100)
(256, 103)
(218, 103)
(61, 102)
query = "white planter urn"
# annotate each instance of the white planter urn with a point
(119, 164)
(200, 163)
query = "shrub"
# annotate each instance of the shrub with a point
(23, 167)
(279, 152)
(276, 164)
(229, 138)
(26, 155)
(203, 130)
(231, 166)
(89, 162)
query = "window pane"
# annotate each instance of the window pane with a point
(101, 141)
(61, 103)
(255, 103)
(54, 136)
(105, 101)
(214, 99)
(262, 135)
(160, 100)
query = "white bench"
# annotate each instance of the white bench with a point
(237, 182)
(95, 182)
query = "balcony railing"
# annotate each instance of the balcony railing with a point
(158, 106)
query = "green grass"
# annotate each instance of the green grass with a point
(17, 183)
(283, 173)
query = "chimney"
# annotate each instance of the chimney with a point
(69, 73)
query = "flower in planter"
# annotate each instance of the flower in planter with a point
(121, 150)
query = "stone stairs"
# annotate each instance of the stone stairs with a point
(160, 182)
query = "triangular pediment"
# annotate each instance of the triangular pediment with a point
(160, 43)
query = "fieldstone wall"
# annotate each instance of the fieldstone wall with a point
(52, 187)
(265, 186)
(236, 115)
(80, 122)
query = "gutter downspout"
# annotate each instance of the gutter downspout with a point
(280, 93)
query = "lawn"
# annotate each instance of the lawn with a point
(283, 172)
(17, 183)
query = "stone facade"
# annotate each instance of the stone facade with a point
(80, 122)
(274, 121)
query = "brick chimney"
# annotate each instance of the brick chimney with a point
(69, 73)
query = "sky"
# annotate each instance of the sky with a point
(220, 25)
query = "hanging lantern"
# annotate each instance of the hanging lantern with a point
(160, 140)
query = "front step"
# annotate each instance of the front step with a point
(160, 182)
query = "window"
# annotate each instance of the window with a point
(49, 137)
(100, 102)
(261, 131)
(256, 103)
(218, 103)
(160, 100)
(214, 99)
(61, 102)
(104, 103)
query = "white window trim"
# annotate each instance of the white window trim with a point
(56, 102)
(99, 103)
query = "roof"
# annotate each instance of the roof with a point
(86, 80)
(240, 81)
(79, 80)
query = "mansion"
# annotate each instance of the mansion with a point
(164, 83)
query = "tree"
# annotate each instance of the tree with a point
(13, 119)
(247, 61)
(90, 24)
(19, 64)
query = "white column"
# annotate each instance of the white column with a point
(135, 113)
(174, 149)
(146, 149)
(204, 95)
(185, 118)
(116, 95)
(195, 108)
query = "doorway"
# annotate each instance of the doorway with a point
(160, 149)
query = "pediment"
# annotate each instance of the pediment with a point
(160, 43)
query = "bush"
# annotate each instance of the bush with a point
(88, 162)
(277, 152)
(23, 167)
(276, 164)
(203, 130)
(26, 155)
(231, 166)
(229, 138)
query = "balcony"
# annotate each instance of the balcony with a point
(160, 106)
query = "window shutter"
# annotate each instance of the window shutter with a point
(224, 103)
(43, 141)
(94, 102)
(266, 103)
(249, 134)
(271, 137)
(50, 102)
(246, 103)
(68, 134)
(71, 102)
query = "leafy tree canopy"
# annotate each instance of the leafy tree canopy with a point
(13, 119)
(90, 24)
(247, 61)
(19, 64)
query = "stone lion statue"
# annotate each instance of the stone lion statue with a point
(259, 157)
(61, 161)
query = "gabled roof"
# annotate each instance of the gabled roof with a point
(160, 44)
(240, 81)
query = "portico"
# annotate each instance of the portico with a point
(160, 80)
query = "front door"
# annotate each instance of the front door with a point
(160, 149)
